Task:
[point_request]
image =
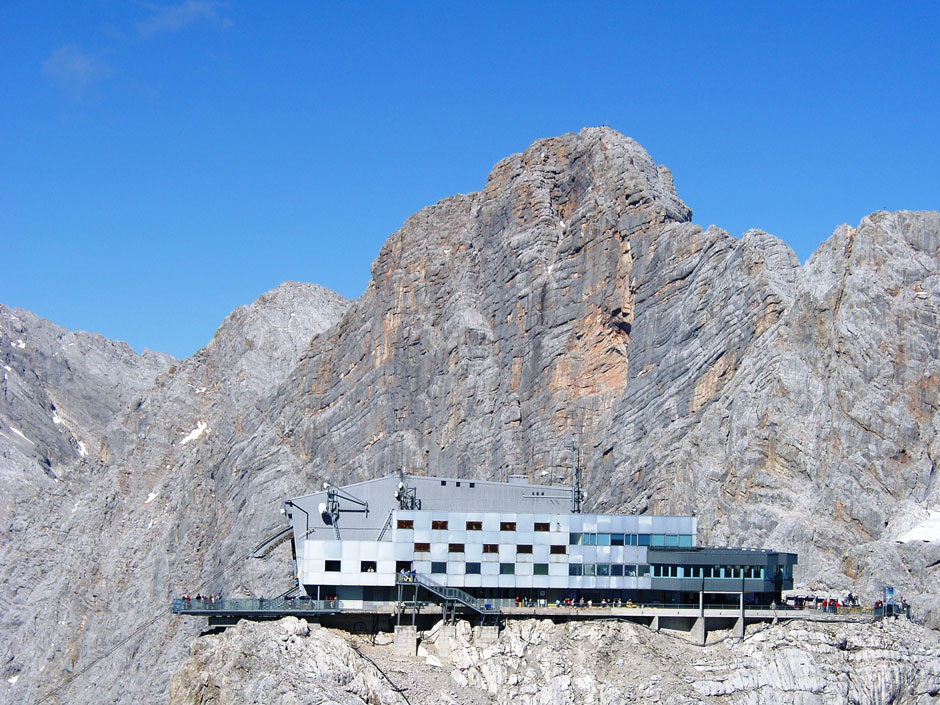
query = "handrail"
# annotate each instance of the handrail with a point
(253, 604)
(448, 593)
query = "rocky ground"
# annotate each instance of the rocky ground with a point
(541, 663)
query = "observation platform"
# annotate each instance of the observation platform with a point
(227, 612)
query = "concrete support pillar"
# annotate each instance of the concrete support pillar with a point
(701, 604)
(485, 635)
(698, 631)
(654, 625)
(406, 641)
(738, 632)
(445, 639)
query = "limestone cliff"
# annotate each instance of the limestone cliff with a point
(790, 407)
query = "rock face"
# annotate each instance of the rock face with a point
(540, 663)
(788, 407)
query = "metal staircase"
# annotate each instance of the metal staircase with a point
(451, 596)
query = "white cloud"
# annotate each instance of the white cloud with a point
(74, 71)
(172, 18)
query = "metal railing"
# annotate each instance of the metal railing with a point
(448, 593)
(252, 605)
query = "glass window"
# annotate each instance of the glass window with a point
(473, 568)
(603, 539)
(657, 540)
(507, 526)
(558, 550)
(474, 526)
(332, 566)
(685, 541)
(422, 547)
(540, 569)
(367, 566)
(507, 568)
(629, 571)
(575, 569)
(616, 570)
(542, 526)
(438, 567)
(575, 539)
(642, 571)
(603, 569)
(402, 566)
(589, 569)
(590, 539)
(440, 525)
(491, 548)
(455, 548)
(406, 524)
(616, 540)
(657, 571)
(672, 540)
(523, 548)
(643, 540)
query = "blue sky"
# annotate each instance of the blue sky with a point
(163, 163)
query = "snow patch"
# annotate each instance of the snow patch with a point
(21, 435)
(17, 344)
(13, 679)
(201, 428)
(55, 418)
(928, 530)
(152, 496)
(8, 368)
(200, 390)
(82, 451)
(75, 508)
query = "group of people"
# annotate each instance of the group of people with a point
(208, 599)
(574, 602)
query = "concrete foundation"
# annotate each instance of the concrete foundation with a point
(485, 635)
(445, 639)
(738, 631)
(698, 631)
(654, 625)
(406, 641)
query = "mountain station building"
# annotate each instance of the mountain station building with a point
(503, 541)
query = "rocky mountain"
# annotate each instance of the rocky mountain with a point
(578, 663)
(788, 406)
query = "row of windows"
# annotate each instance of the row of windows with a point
(677, 540)
(708, 571)
(608, 569)
(443, 525)
(488, 548)
(504, 568)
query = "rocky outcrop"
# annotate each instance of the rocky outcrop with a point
(541, 663)
(786, 406)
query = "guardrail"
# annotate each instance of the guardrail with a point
(252, 605)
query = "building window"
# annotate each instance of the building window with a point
(332, 566)
(455, 548)
(603, 569)
(439, 525)
(685, 541)
(406, 524)
(443, 483)
(402, 566)
(540, 569)
(672, 540)
(438, 567)
(616, 540)
(543, 526)
(422, 547)
(575, 539)
(616, 570)
(474, 526)
(491, 548)
(629, 571)
(558, 550)
(642, 571)
(522, 548)
(367, 566)
(507, 526)
(603, 539)
(575, 569)
(643, 540)
(473, 568)
(589, 569)
(658, 540)
(472, 485)
(507, 568)
(590, 539)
